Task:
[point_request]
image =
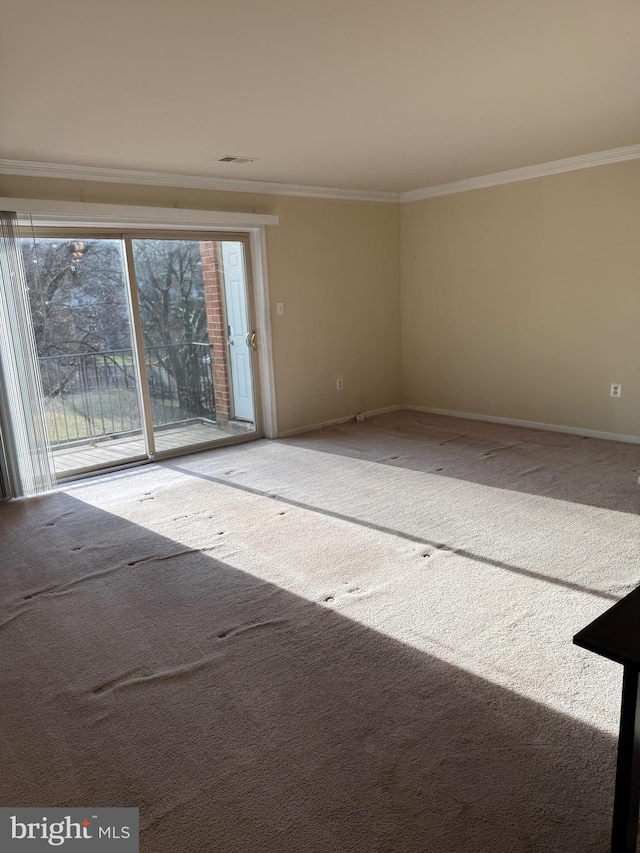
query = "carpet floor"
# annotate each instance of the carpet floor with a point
(355, 640)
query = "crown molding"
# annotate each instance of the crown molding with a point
(526, 173)
(32, 169)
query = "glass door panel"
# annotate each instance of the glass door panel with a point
(195, 321)
(80, 309)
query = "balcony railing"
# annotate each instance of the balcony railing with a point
(89, 396)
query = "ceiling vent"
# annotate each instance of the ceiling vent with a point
(229, 158)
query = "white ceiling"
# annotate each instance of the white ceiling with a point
(388, 95)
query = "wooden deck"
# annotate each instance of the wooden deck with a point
(118, 450)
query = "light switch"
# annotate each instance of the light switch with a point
(279, 307)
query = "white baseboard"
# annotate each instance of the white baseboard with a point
(471, 416)
(311, 427)
(589, 433)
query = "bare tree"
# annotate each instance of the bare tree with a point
(79, 304)
(172, 308)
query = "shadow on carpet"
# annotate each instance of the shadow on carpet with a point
(240, 717)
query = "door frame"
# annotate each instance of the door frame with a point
(37, 213)
(51, 218)
(257, 373)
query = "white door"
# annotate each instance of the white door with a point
(239, 331)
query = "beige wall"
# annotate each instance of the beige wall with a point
(336, 267)
(523, 300)
(518, 301)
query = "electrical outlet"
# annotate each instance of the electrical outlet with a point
(616, 390)
(339, 384)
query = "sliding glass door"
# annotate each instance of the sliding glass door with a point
(196, 340)
(145, 345)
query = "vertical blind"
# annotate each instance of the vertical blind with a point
(24, 429)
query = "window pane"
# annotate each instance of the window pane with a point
(80, 311)
(194, 313)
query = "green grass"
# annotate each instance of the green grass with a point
(94, 414)
(76, 416)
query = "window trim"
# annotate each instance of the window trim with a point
(71, 214)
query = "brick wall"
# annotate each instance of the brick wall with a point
(213, 281)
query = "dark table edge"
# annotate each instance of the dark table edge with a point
(591, 647)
